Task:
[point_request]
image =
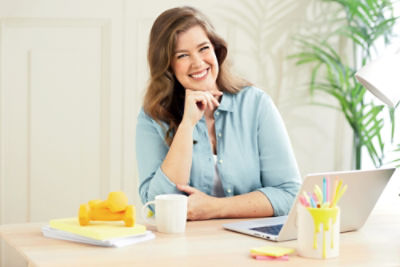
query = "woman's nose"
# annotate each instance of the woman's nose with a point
(197, 60)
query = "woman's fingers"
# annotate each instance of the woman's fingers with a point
(186, 188)
(210, 100)
(196, 102)
(199, 203)
(201, 103)
(207, 98)
(215, 101)
(216, 94)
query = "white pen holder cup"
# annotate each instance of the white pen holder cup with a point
(318, 232)
(170, 213)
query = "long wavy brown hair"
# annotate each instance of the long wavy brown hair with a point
(165, 96)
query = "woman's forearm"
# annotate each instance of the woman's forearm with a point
(253, 204)
(178, 161)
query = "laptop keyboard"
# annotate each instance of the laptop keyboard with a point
(272, 229)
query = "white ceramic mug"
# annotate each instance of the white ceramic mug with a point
(318, 232)
(170, 213)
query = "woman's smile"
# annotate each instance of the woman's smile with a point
(199, 75)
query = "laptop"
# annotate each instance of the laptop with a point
(363, 191)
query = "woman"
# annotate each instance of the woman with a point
(206, 133)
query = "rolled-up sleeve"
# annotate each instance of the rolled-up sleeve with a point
(279, 171)
(151, 150)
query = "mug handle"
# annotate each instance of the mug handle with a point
(149, 221)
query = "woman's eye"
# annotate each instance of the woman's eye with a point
(204, 48)
(181, 56)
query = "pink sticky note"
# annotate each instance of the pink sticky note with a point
(271, 258)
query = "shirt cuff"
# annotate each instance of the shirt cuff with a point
(161, 184)
(280, 200)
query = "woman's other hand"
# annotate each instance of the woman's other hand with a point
(196, 102)
(200, 205)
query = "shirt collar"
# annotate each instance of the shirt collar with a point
(226, 102)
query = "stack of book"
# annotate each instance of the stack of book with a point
(99, 233)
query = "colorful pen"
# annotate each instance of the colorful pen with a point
(340, 194)
(313, 204)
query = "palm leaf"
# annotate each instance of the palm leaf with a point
(364, 22)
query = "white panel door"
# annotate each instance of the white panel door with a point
(61, 103)
(55, 117)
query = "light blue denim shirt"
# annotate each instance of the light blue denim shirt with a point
(253, 150)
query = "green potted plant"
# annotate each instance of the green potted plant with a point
(363, 23)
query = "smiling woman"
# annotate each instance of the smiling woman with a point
(207, 133)
(164, 95)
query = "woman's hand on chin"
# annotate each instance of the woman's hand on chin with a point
(196, 102)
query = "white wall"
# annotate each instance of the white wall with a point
(72, 77)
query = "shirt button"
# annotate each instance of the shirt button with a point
(216, 113)
(219, 134)
(229, 190)
(220, 161)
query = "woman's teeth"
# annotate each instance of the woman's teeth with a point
(199, 75)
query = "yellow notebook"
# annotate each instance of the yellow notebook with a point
(99, 230)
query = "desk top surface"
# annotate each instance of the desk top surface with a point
(206, 243)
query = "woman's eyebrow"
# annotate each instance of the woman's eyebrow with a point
(199, 45)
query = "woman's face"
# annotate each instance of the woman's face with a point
(194, 62)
